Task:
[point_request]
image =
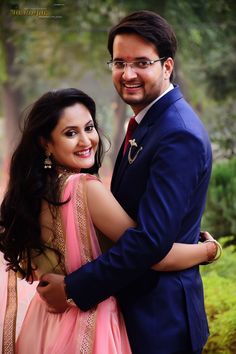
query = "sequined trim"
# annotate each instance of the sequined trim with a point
(59, 238)
(9, 327)
(59, 241)
(83, 222)
(87, 256)
(88, 338)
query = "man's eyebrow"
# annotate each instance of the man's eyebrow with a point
(136, 58)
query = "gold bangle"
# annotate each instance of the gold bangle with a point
(218, 251)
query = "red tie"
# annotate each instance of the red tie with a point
(130, 130)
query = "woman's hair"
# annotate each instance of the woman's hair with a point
(151, 27)
(29, 182)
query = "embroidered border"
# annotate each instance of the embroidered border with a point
(88, 338)
(87, 256)
(9, 326)
(82, 217)
(59, 241)
(59, 237)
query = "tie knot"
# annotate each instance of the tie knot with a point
(132, 125)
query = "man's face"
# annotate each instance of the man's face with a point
(139, 87)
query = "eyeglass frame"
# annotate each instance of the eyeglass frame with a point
(126, 63)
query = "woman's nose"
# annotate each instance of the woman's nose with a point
(84, 139)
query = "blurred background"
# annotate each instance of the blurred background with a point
(47, 45)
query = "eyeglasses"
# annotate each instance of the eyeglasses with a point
(120, 65)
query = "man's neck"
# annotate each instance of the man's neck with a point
(139, 116)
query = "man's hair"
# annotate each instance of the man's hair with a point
(151, 27)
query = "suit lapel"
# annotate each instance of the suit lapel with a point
(122, 161)
(151, 117)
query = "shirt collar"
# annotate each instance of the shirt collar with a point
(142, 113)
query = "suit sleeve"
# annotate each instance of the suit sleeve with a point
(175, 172)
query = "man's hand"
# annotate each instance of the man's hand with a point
(51, 289)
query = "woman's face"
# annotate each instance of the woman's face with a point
(74, 140)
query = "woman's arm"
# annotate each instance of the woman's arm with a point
(112, 220)
(183, 256)
(106, 213)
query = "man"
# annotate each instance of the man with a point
(161, 180)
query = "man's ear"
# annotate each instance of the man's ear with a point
(168, 67)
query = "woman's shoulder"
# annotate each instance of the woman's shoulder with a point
(89, 177)
(83, 176)
(73, 179)
(80, 182)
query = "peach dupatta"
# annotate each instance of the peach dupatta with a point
(99, 330)
(73, 330)
(103, 326)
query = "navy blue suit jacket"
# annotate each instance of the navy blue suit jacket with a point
(164, 189)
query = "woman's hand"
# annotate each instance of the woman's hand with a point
(51, 289)
(204, 236)
(213, 247)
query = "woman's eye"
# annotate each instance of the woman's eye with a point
(70, 133)
(89, 128)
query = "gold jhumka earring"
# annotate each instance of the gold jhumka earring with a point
(48, 161)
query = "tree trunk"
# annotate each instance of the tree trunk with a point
(12, 101)
(120, 109)
(12, 97)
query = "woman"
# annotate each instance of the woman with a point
(47, 224)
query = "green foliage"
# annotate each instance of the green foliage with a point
(206, 65)
(219, 217)
(221, 121)
(226, 266)
(220, 300)
(59, 49)
(205, 62)
(50, 51)
(3, 75)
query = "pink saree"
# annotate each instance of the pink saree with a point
(100, 330)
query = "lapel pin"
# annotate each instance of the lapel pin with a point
(133, 144)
